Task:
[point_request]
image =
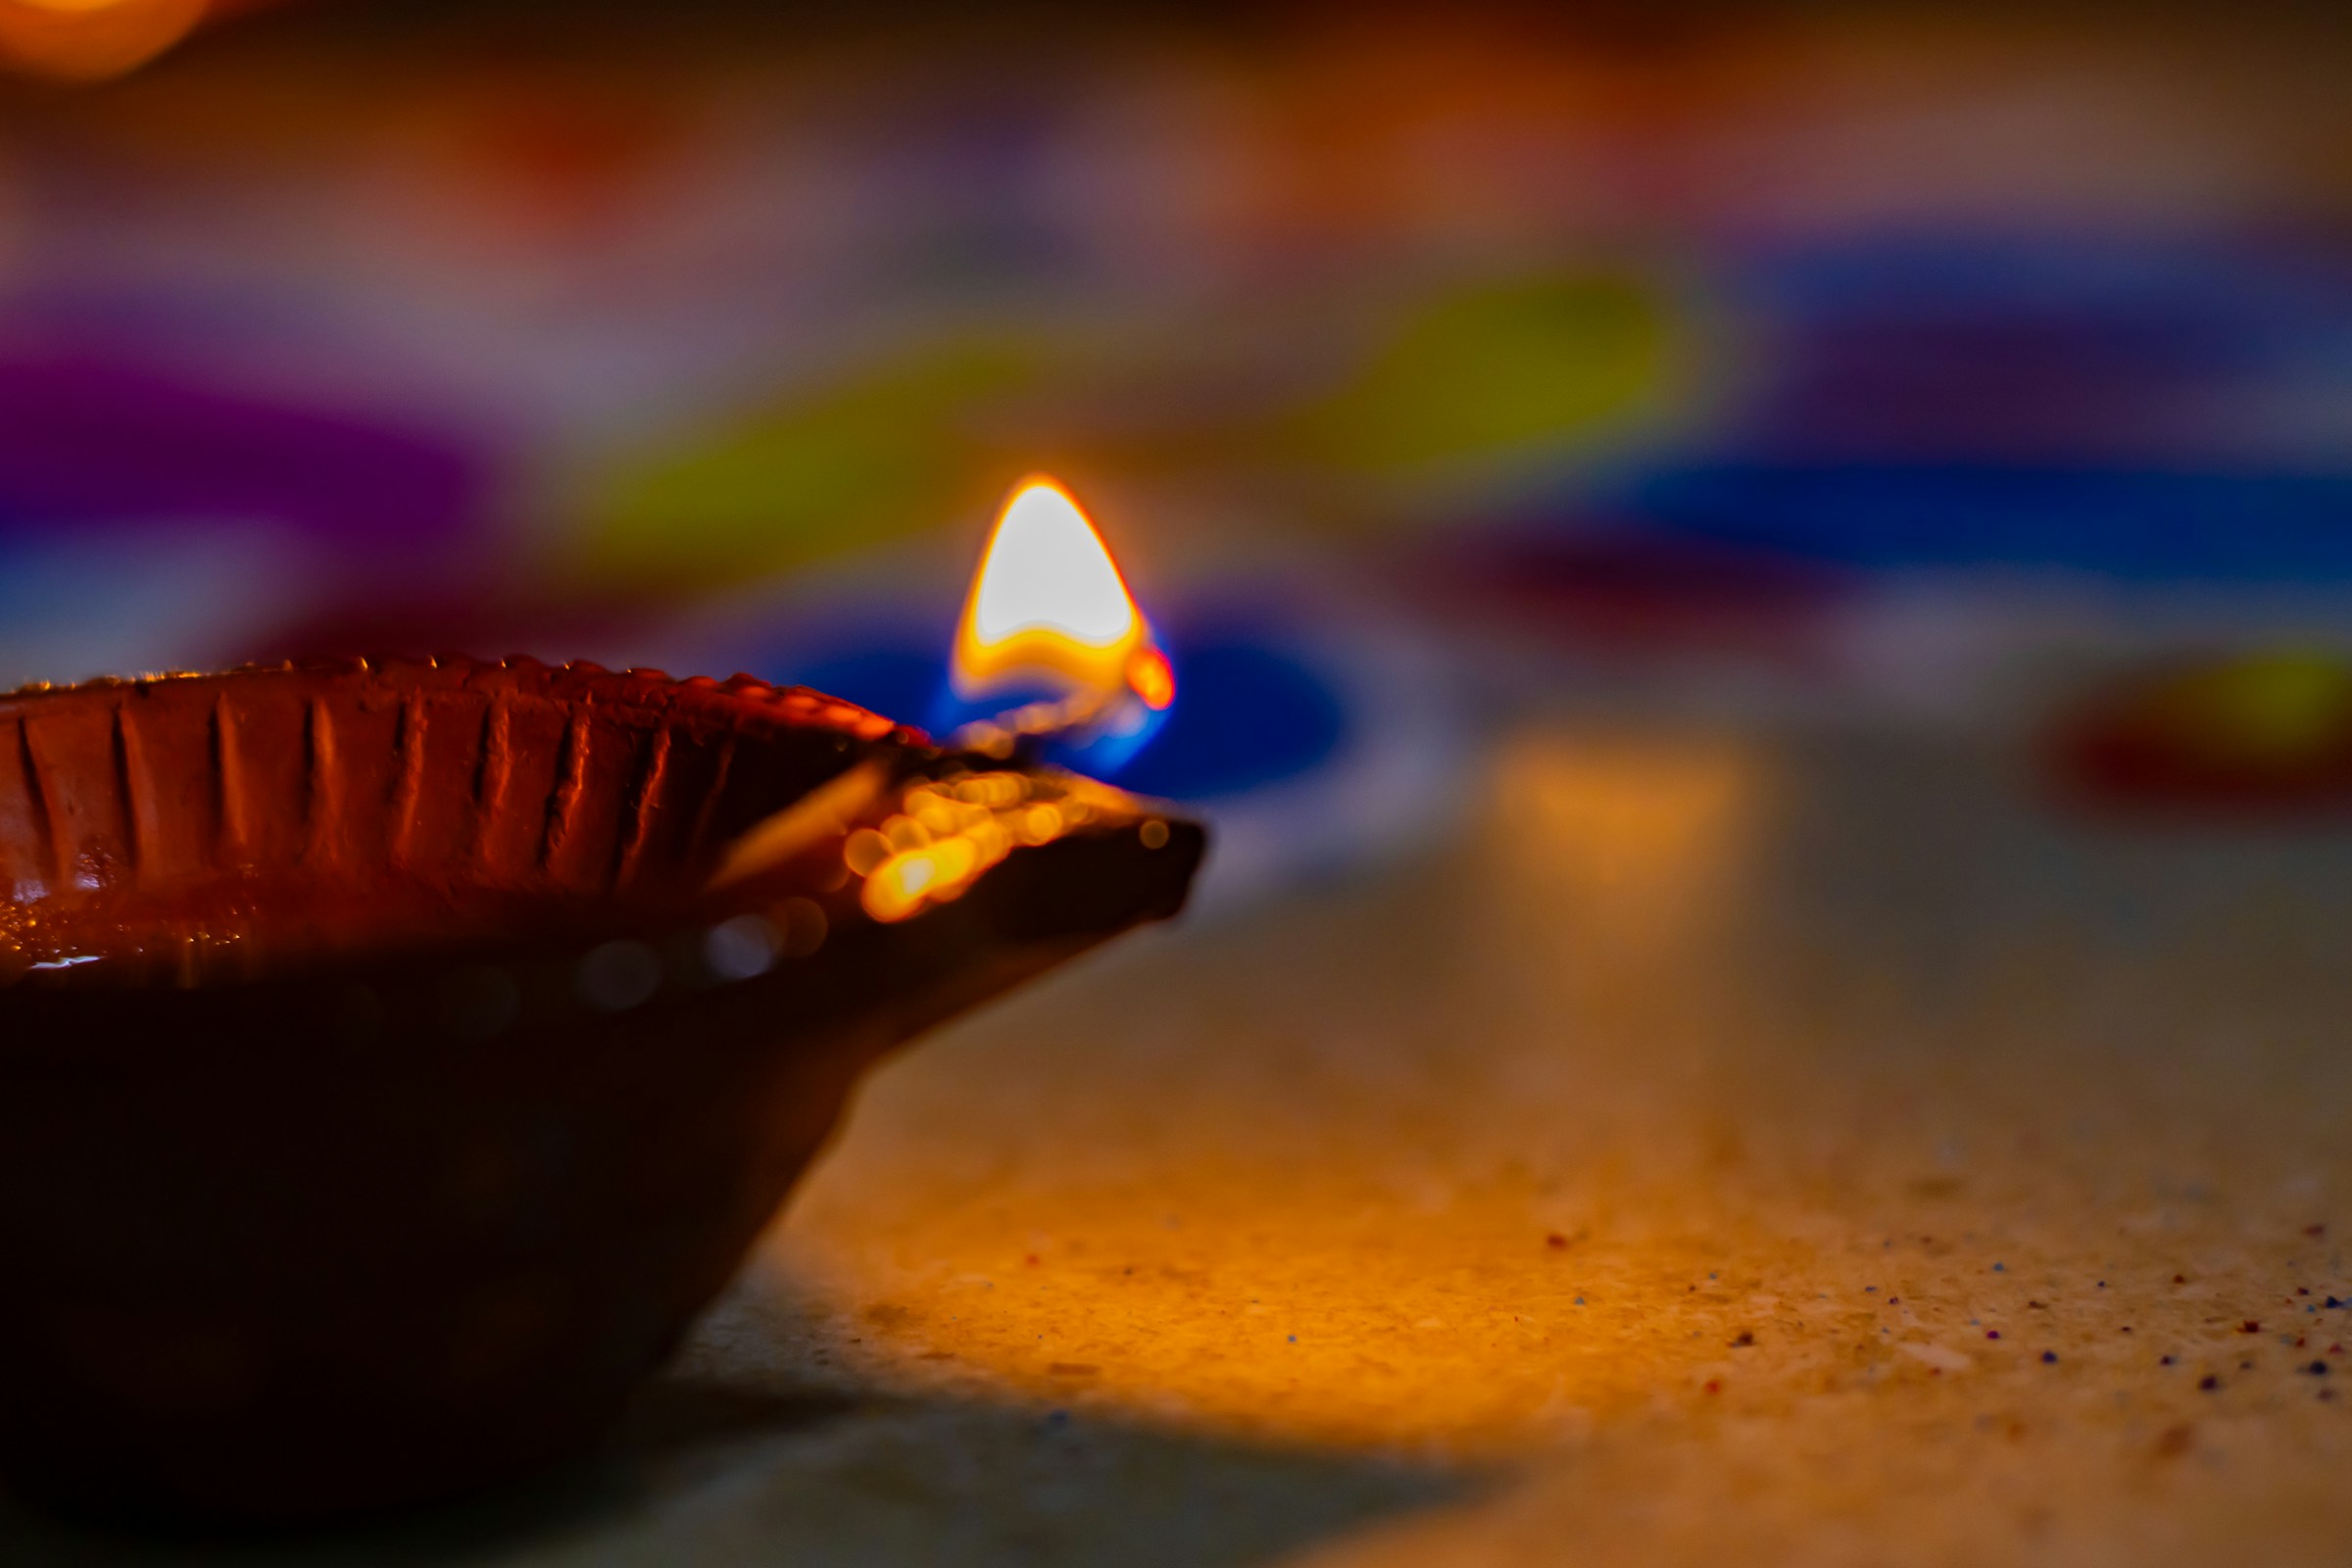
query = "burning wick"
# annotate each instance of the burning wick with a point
(1049, 619)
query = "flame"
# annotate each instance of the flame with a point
(92, 40)
(1048, 605)
(1153, 678)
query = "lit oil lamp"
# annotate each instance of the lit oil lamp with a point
(395, 1056)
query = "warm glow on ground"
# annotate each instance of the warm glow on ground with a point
(1214, 1207)
(1700, 1157)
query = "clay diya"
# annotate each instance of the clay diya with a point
(395, 1057)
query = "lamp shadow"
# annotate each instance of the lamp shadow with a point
(752, 1468)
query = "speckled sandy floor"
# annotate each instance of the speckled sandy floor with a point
(1808, 1151)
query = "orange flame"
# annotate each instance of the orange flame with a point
(92, 40)
(1048, 605)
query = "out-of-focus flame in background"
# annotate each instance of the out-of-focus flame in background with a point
(90, 40)
(96, 40)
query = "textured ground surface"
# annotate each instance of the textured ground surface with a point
(1814, 1151)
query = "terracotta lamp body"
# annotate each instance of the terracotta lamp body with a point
(395, 1057)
